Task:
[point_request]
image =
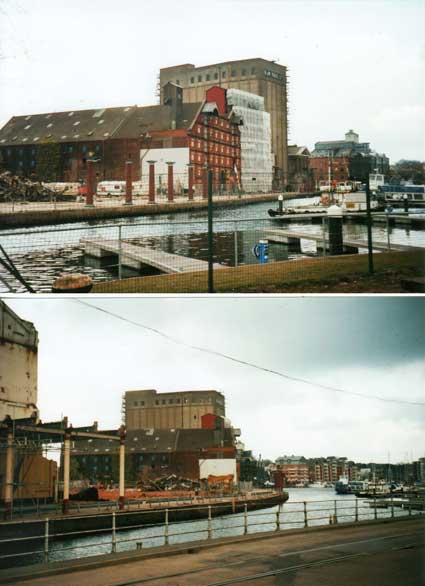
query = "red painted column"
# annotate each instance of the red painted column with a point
(129, 183)
(205, 182)
(151, 181)
(170, 180)
(190, 182)
(90, 183)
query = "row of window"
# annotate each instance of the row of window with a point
(213, 147)
(214, 134)
(69, 149)
(176, 401)
(219, 122)
(219, 75)
(226, 161)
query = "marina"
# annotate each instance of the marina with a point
(135, 257)
(42, 254)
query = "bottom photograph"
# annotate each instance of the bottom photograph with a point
(246, 440)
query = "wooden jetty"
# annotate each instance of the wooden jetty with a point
(352, 245)
(135, 256)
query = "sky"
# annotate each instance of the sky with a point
(352, 63)
(367, 345)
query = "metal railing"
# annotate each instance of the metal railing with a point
(297, 514)
(41, 508)
(142, 248)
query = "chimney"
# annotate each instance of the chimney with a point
(173, 98)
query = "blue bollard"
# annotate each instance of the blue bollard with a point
(261, 251)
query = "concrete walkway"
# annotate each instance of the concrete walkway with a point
(377, 553)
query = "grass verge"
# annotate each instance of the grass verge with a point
(313, 275)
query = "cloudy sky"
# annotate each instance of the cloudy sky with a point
(353, 63)
(368, 345)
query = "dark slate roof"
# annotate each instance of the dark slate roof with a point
(100, 124)
(159, 440)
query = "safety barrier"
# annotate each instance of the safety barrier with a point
(297, 514)
(159, 255)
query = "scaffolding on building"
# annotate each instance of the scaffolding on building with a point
(257, 159)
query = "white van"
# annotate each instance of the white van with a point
(117, 188)
(110, 188)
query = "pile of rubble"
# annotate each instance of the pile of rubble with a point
(171, 482)
(20, 189)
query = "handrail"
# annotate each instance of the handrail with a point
(276, 520)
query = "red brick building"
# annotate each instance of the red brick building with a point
(339, 169)
(56, 146)
(295, 473)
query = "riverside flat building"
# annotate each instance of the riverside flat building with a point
(148, 409)
(258, 76)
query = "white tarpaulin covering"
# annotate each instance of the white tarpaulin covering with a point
(257, 158)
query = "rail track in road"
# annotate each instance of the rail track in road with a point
(261, 576)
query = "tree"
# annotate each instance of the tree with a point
(409, 170)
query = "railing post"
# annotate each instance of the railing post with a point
(388, 232)
(357, 511)
(335, 511)
(324, 235)
(235, 242)
(114, 535)
(305, 515)
(376, 510)
(410, 508)
(209, 523)
(392, 507)
(245, 519)
(278, 519)
(119, 252)
(166, 533)
(46, 541)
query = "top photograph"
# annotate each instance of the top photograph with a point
(229, 147)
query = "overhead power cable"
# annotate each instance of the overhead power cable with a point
(279, 373)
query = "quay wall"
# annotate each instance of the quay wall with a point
(99, 521)
(64, 216)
